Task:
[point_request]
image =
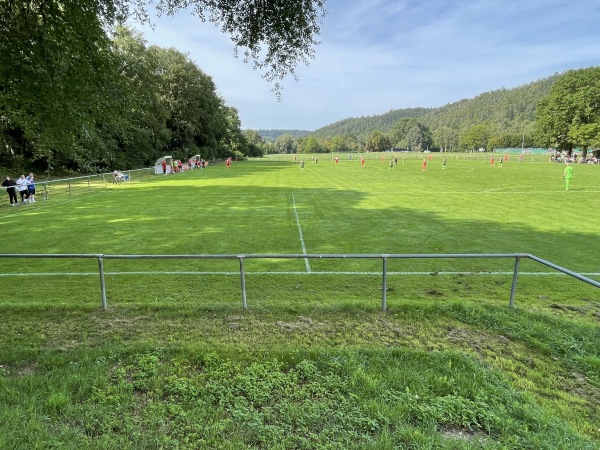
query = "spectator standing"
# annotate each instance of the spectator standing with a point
(10, 184)
(31, 187)
(23, 187)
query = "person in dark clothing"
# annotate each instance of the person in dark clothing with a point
(10, 184)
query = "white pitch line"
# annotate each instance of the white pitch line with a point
(300, 232)
(52, 274)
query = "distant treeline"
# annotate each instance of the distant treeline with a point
(561, 111)
(272, 135)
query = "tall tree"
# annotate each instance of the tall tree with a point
(400, 130)
(142, 134)
(56, 79)
(570, 116)
(58, 98)
(256, 145)
(378, 142)
(310, 145)
(475, 137)
(276, 35)
(285, 144)
(337, 144)
(445, 138)
(197, 117)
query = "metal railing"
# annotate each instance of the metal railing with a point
(87, 182)
(383, 257)
(69, 186)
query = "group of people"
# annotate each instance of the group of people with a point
(564, 157)
(119, 177)
(197, 163)
(24, 185)
(176, 166)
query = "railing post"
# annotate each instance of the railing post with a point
(102, 283)
(89, 186)
(69, 185)
(513, 288)
(384, 285)
(243, 281)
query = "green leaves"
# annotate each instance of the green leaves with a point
(71, 98)
(570, 116)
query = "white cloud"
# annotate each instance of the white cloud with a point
(378, 55)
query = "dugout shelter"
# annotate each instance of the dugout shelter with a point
(158, 169)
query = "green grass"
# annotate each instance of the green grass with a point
(175, 362)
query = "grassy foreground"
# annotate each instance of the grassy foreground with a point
(313, 363)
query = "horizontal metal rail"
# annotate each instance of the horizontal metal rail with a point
(384, 257)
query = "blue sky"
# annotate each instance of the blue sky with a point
(378, 55)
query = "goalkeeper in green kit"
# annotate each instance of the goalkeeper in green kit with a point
(568, 175)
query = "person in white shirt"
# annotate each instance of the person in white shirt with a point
(23, 188)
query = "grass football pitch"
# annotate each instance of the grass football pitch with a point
(313, 363)
(272, 207)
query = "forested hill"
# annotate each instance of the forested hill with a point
(363, 126)
(510, 110)
(272, 135)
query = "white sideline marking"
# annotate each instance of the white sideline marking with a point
(300, 232)
(52, 274)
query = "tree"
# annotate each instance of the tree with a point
(400, 130)
(378, 142)
(255, 143)
(418, 137)
(445, 138)
(570, 116)
(276, 35)
(310, 145)
(198, 119)
(142, 133)
(409, 132)
(475, 137)
(62, 89)
(337, 144)
(285, 144)
(56, 80)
